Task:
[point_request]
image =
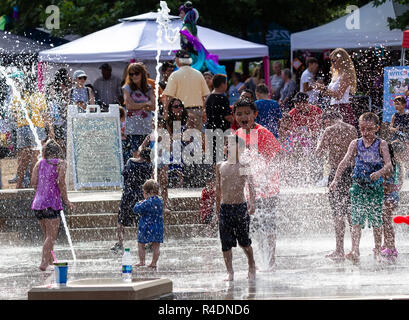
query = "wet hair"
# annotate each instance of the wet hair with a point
(52, 150)
(218, 80)
(262, 88)
(145, 154)
(249, 92)
(151, 186)
(369, 116)
(331, 114)
(244, 103)
(400, 99)
(311, 60)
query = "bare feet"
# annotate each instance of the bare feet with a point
(230, 276)
(140, 264)
(352, 256)
(252, 273)
(152, 266)
(43, 268)
(336, 256)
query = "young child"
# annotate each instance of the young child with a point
(136, 171)
(232, 210)
(49, 184)
(392, 183)
(264, 148)
(335, 140)
(372, 161)
(399, 125)
(150, 226)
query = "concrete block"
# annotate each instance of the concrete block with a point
(104, 289)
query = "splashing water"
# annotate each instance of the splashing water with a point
(171, 36)
(22, 104)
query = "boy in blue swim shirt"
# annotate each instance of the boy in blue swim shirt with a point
(372, 161)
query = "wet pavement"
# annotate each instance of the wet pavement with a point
(197, 271)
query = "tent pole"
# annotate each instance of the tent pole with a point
(402, 57)
(291, 60)
(266, 62)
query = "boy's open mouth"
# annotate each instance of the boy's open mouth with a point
(244, 123)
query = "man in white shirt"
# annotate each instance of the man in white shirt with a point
(188, 85)
(308, 78)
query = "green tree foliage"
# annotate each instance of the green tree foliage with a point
(401, 21)
(229, 16)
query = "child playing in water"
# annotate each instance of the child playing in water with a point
(232, 209)
(335, 140)
(399, 125)
(49, 184)
(372, 161)
(136, 171)
(392, 183)
(150, 226)
(264, 148)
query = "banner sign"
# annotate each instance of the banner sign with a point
(396, 83)
(96, 147)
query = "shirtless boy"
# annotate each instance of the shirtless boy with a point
(232, 211)
(335, 140)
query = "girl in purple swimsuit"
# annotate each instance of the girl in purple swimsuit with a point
(49, 184)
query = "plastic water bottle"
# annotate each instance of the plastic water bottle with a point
(127, 266)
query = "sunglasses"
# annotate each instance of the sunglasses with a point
(131, 74)
(333, 60)
(177, 105)
(82, 78)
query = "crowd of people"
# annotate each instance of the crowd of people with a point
(311, 134)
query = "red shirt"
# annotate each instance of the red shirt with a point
(267, 182)
(311, 121)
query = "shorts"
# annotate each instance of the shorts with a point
(264, 220)
(234, 225)
(340, 199)
(392, 199)
(366, 204)
(48, 213)
(126, 216)
(25, 138)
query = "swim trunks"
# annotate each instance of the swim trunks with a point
(234, 225)
(339, 199)
(366, 204)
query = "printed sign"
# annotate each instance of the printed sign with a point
(96, 148)
(396, 83)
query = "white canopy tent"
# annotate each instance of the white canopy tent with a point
(135, 38)
(373, 31)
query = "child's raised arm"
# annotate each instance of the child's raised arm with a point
(344, 164)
